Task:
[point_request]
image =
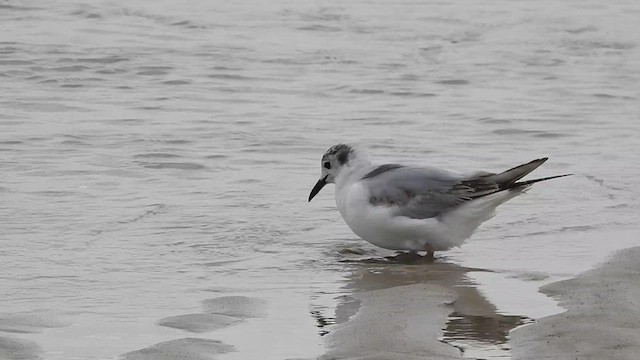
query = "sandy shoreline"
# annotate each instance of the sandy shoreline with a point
(409, 311)
(410, 318)
(601, 321)
(405, 309)
(408, 330)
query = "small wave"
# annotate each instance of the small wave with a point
(249, 181)
(74, 68)
(324, 14)
(179, 166)
(617, 206)
(19, 8)
(87, 14)
(160, 19)
(453, 82)
(55, 193)
(126, 121)
(543, 62)
(536, 133)
(515, 132)
(225, 68)
(176, 82)
(229, 77)
(441, 20)
(216, 156)
(320, 27)
(578, 228)
(366, 91)
(285, 61)
(411, 94)
(392, 66)
(103, 60)
(74, 143)
(582, 30)
(152, 72)
(188, 25)
(609, 96)
(48, 107)
(16, 62)
(155, 210)
(111, 71)
(596, 45)
(551, 135)
(489, 120)
(176, 141)
(156, 155)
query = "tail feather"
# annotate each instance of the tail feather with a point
(462, 220)
(486, 184)
(529, 182)
(509, 177)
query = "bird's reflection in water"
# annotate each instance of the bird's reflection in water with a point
(473, 325)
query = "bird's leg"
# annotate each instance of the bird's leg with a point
(429, 249)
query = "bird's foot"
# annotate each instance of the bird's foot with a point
(430, 251)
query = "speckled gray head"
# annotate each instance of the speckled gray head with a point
(339, 152)
(332, 161)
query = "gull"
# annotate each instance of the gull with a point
(400, 207)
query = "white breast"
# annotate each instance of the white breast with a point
(381, 227)
(374, 224)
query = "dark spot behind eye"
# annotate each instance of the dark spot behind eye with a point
(327, 165)
(343, 155)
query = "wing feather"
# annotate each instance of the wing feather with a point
(417, 193)
(423, 192)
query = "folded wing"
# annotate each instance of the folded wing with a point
(421, 193)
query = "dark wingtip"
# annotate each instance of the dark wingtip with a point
(529, 182)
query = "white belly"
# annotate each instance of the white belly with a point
(377, 224)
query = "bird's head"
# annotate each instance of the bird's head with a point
(333, 162)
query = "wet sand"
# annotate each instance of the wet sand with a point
(601, 321)
(408, 329)
(217, 313)
(181, 349)
(13, 349)
(409, 307)
(32, 322)
(413, 309)
(404, 311)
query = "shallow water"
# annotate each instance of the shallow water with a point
(157, 154)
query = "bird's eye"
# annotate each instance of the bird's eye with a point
(327, 165)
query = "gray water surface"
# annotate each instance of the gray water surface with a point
(155, 155)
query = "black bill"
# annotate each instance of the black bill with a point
(316, 189)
